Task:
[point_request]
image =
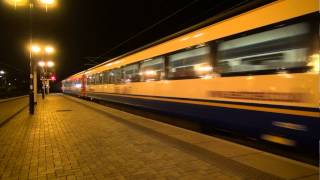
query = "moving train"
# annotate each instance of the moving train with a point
(253, 70)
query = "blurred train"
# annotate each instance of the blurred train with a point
(253, 70)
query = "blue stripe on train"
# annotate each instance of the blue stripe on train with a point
(251, 123)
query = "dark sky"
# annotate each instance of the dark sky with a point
(83, 28)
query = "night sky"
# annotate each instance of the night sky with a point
(83, 28)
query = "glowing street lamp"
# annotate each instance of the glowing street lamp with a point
(50, 64)
(2, 72)
(47, 3)
(16, 3)
(35, 49)
(41, 63)
(49, 49)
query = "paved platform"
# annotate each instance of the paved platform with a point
(69, 138)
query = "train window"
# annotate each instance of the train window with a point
(91, 79)
(101, 78)
(96, 78)
(110, 77)
(105, 77)
(115, 76)
(88, 80)
(131, 73)
(190, 64)
(282, 48)
(152, 70)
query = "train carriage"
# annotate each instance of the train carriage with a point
(256, 73)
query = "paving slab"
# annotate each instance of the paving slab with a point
(70, 138)
(266, 162)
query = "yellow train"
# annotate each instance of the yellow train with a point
(256, 72)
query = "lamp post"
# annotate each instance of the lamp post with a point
(34, 49)
(49, 51)
(42, 65)
(44, 77)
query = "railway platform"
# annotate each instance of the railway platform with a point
(70, 138)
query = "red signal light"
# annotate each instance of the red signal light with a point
(53, 78)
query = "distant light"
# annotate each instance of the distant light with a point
(41, 63)
(49, 49)
(50, 64)
(9, 84)
(53, 78)
(2, 72)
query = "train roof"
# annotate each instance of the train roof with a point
(248, 16)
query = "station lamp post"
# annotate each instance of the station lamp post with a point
(44, 76)
(43, 53)
(34, 49)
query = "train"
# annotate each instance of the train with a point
(253, 70)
